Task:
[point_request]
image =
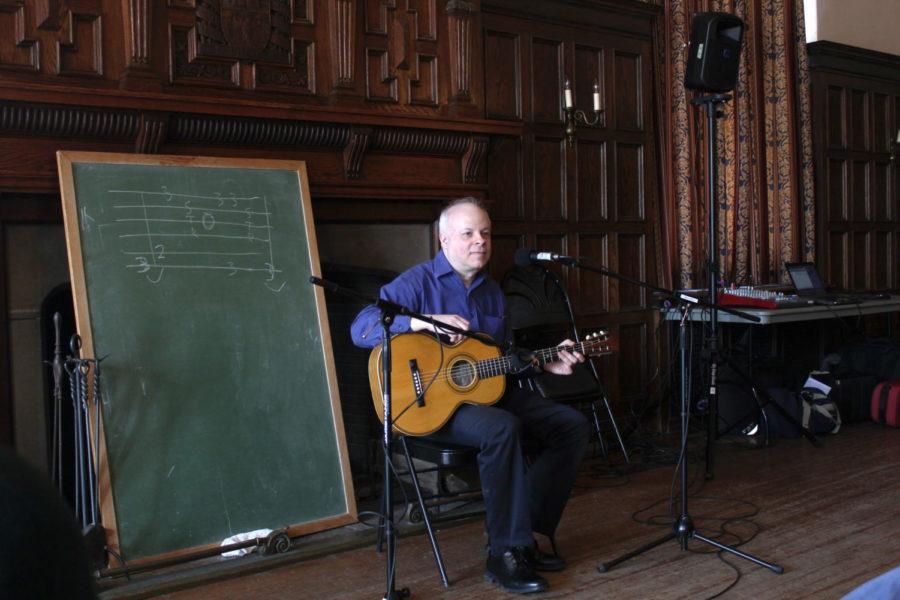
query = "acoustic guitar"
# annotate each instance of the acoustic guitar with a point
(429, 381)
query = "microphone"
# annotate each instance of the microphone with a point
(525, 257)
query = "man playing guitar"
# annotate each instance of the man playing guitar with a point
(454, 288)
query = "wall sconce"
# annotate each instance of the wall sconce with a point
(578, 116)
(895, 146)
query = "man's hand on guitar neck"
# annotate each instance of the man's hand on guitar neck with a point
(566, 361)
(455, 320)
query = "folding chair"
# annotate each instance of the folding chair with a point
(540, 311)
(444, 456)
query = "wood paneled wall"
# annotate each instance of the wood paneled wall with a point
(856, 121)
(396, 105)
(595, 198)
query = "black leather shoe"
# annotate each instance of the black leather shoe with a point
(541, 561)
(512, 571)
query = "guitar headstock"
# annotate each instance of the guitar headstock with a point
(599, 343)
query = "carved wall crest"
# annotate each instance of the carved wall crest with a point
(248, 30)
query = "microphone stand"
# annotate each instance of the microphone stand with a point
(683, 529)
(389, 311)
(593, 368)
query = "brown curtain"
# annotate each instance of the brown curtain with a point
(763, 148)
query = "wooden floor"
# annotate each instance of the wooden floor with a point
(828, 515)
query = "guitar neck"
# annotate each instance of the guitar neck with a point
(493, 367)
(552, 354)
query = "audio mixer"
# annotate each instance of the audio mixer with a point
(753, 297)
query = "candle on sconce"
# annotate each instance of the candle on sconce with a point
(567, 93)
(596, 96)
(898, 136)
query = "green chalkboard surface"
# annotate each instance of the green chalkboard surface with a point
(219, 402)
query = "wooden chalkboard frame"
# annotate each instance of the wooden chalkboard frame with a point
(66, 161)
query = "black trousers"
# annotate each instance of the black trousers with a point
(520, 500)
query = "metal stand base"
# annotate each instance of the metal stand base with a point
(683, 532)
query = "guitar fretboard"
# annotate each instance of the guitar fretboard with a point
(503, 365)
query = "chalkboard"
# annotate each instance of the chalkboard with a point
(220, 412)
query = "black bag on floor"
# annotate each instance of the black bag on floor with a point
(810, 409)
(774, 420)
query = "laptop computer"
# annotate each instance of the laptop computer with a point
(809, 285)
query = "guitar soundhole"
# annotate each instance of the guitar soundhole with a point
(462, 374)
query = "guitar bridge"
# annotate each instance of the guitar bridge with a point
(417, 382)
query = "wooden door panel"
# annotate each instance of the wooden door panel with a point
(501, 72)
(546, 78)
(592, 182)
(549, 179)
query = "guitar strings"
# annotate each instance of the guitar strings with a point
(497, 366)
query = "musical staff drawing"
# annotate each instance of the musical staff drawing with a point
(167, 231)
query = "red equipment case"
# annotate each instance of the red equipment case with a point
(886, 403)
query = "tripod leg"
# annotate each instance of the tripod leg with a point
(612, 421)
(434, 545)
(604, 567)
(772, 567)
(598, 432)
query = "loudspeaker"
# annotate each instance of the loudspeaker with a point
(715, 52)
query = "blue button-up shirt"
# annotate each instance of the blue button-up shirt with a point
(434, 288)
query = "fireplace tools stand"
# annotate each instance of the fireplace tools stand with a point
(85, 392)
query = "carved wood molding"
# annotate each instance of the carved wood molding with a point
(303, 12)
(473, 158)
(139, 72)
(20, 44)
(151, 133)
(263, 132)
(151, 130)
(399, 33)
(417, 141)
(299, 78)
(460, 15)
(355, 151)
(254, 31)
(80, 51)
(57, 121)
(137, 26)
(46, 14)
(343, 47)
